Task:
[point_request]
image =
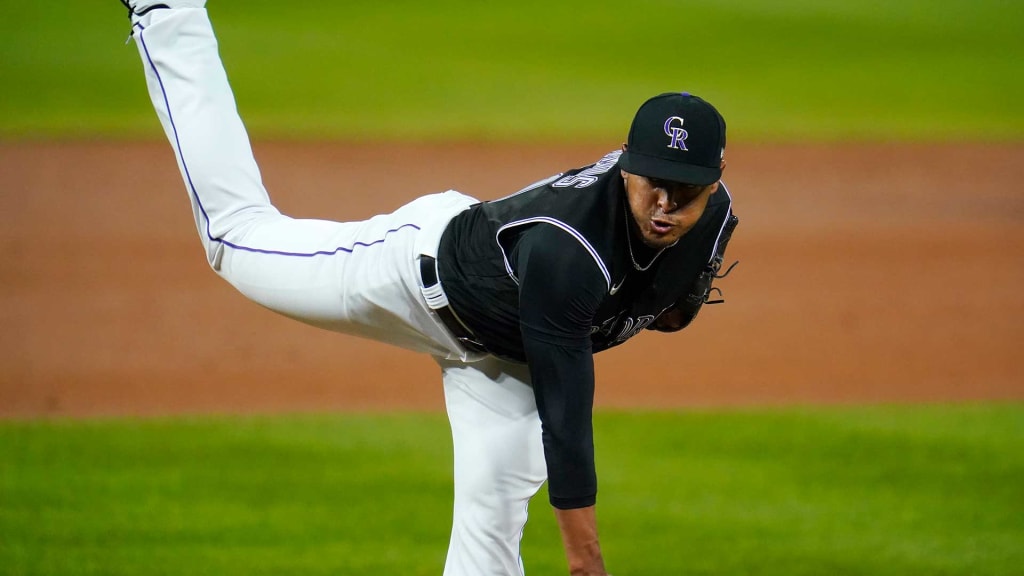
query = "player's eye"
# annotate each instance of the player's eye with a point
(674, 187)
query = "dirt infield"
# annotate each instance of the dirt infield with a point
(868, 274)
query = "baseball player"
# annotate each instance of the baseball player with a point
(511, 297)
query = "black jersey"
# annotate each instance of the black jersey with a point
(554, 273)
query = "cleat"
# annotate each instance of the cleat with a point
(139, 8)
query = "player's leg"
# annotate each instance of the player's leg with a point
(499, 464)
(356, 277)
(195, 105)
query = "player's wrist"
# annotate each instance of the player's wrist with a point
(579, 536)
(588, 564)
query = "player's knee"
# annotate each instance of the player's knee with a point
(501, 486)
(215, 255)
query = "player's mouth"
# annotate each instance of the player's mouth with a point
(661, 227)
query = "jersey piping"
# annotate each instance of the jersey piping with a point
(714, 249)
(559, 224)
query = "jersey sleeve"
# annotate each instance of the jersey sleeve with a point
(560, 289)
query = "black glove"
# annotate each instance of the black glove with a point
(685, 310)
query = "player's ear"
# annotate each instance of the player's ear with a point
(719, 181)
(624, 146)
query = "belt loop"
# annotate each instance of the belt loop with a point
(432, 291)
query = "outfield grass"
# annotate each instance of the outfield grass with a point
(874, 491)
(539, 70)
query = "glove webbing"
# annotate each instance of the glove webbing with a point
(700, 292)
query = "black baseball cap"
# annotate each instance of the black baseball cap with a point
(676, 136)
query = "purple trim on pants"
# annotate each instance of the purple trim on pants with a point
(199, 202)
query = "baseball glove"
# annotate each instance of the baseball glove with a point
(686, 308)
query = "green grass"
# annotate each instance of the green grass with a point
(875, 491)
(539, 70)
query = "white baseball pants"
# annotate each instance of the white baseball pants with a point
(358, 278)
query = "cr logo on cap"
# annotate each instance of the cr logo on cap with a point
(676, 133)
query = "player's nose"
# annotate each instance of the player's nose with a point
(665, 201)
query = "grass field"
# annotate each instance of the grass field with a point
(536, 70)
(873, 490)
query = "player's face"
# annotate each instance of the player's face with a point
(664, 211)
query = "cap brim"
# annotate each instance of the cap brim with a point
(654, 167)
